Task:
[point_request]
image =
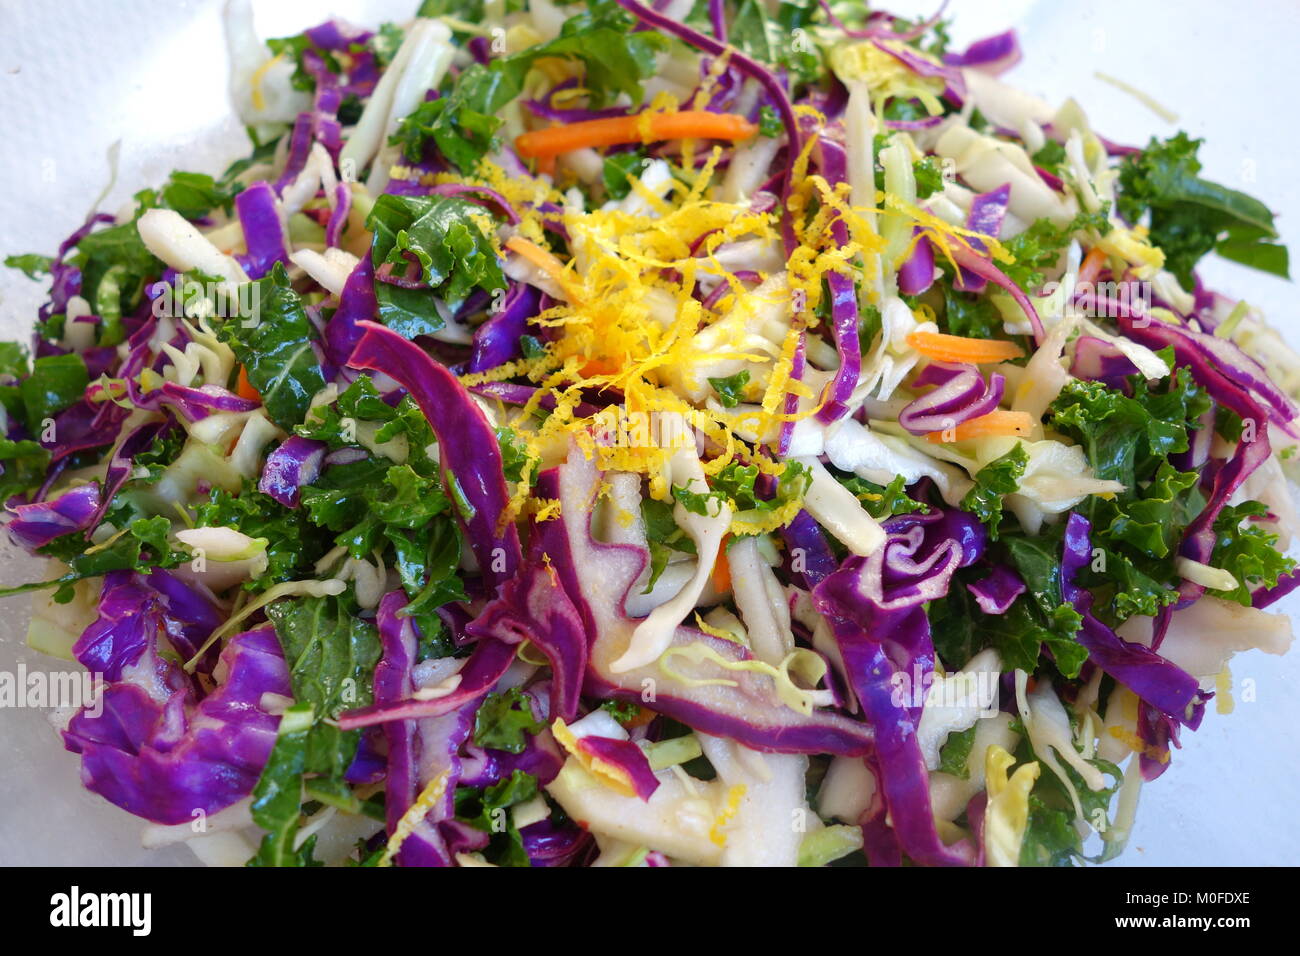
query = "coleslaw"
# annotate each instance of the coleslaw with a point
(615, 434)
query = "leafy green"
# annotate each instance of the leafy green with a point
(531, 346)
(470, 11)
(193, 195)
(230, 182)
(108, 306)
(999, 477)
(1037, 560)
(929, 177)
(769, 123)
(973, 316)
(881, 501)
(293, 546)
(731, 388)
(377, 504)
(622, 710)
(372, 505)
(768, 37)
(383, 44)
(24, 463)
(275, 348)
(803, 61)
(337, 424)
(119, 250)
(663, 536)
(899, 110)
(736, 483)
(455, 256)
(141, 546)
(277, 797)
(618, 168)
(934, 40)
(1051, 157)
(1050, 837)
(1128, 439)
(955, 753)
(146, 545)
(1040, 617)
(1151, 521)
(463, 123)
(13, 359)
(331, 654)
(1190, 216)
(362, 500)
(486, 810)
(870, 324)
(503, 719)
(1039, 246)
(1020, 634)
(292, 48)
(56, 382)
(428, 569)
(960, 629)
(31, 264)
(707, 504)
(953, 625)
(386, 42)
(1247, 550)
(150, 464)
(750, 32)
(1246, 245)
(516, 463)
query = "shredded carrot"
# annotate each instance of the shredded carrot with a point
(244, 388)
(600, 366)
(642, 128)
(1091, 266)
(957, 348)
(994, 423)
(722, 569)
(643, 716)
(544, 260)
(546, 164)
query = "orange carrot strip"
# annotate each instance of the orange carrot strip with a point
(642, 128)
(600, 366)
(1091, 265)
(546, 164)
(643, 716)
(722, 569)
(544, 260)
(244, 388)
(956, 348)
(994, 423)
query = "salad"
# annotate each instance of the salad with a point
(728, 432)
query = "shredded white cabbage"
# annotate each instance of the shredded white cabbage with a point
(653, 635)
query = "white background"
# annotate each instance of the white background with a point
(78, 75)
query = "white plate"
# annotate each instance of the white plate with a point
(78, 75)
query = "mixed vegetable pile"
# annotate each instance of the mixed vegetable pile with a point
(723, 432)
